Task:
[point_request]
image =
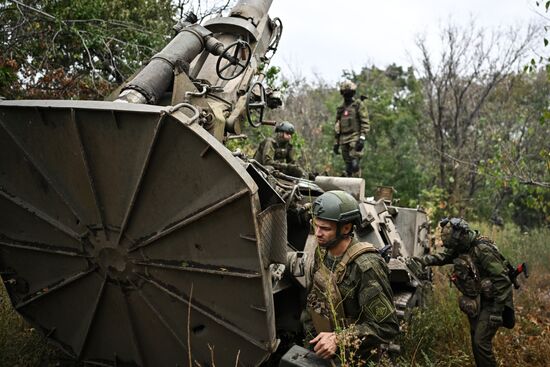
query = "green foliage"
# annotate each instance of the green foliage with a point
(273, 78)
(433, 200)
(516, 172)
(81, 49)
(542, 60)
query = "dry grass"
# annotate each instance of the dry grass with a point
(21, 345)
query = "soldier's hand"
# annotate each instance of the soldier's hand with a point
(495, 320)
(336, 148)
(360, 144)
(415, 261)
(325, 345)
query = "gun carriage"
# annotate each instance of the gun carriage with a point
(130, 235)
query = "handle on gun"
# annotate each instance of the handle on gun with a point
(522, 268)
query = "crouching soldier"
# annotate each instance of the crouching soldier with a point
(481, 274)
(349, 304)
(278, 152)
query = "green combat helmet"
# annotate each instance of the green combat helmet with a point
(340, 207)
(285, 127)
(454, 233)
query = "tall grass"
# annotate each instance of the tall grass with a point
(438, 334)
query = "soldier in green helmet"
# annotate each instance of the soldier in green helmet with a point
(481, 274)
(278, 152)
(350, 297)
(351, 128)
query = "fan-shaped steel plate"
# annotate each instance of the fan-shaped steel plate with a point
(130, 237)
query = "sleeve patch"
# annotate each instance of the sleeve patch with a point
(379, 309)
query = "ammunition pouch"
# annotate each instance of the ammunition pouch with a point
(469, 305)
(348, 118)
(508, 317)
(466, 276)
(487, 290)
(346, 124)
(337, 129)
(324, 303)
(495, 321)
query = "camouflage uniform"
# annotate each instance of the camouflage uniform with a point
(480, 273)
(366, 298)
(352, 125)
(280, 155)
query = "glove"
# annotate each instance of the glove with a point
(495, 320)
(415, 264)
(336, 148)
(360, 144)
(417, 260)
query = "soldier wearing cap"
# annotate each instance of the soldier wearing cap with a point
(350, 296)
(480, 273)
(278, 152)
(351, 128)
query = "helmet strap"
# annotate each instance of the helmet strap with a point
(339, 237)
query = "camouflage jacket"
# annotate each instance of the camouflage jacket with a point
(366, 296)
(352, 121)
(280, 155)
(490, 264)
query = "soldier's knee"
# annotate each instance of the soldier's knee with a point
(482, 344)
(354, 166)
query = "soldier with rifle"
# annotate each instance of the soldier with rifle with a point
(350, 298)
(485, 279)
(351, 128)
(278, 152)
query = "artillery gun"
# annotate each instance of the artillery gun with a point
(131, 236)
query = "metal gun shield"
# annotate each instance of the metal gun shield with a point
(129, 236)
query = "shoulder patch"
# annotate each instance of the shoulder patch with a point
(379, 308)
(367, 261)
(375, 304)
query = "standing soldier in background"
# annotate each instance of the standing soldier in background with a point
(351, 128)
(279, 152)
(481, 274)
(350, 292)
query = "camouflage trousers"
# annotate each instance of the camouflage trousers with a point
(482, 332)
(352, 159)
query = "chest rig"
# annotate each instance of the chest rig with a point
(324, 301)
(466, 278)
(282, 152)
(349, 118)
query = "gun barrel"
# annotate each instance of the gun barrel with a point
(157, 76)
(251, 9)
(149, 85)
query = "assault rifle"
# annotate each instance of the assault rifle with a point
(513, 273)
